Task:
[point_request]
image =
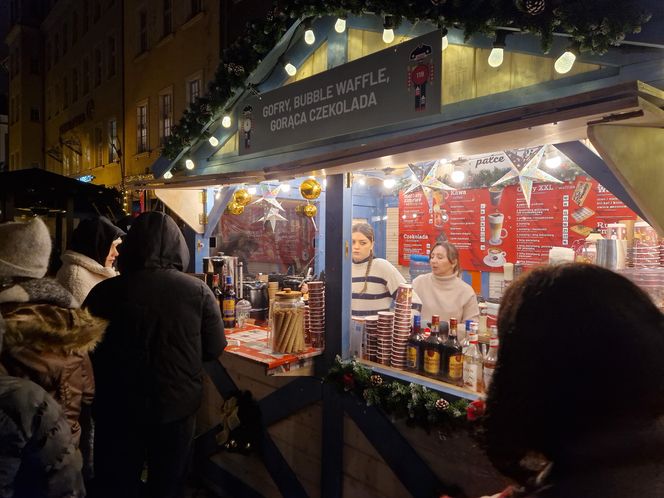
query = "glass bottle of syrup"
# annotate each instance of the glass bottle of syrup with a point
(472, 365)
(432, 350)
(452, 356)
(228, 303)
(415, 347)
(490, 363)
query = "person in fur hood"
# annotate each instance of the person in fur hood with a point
(37, 454)
(47, 338)
(90, 257)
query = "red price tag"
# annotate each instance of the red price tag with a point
(420, 75)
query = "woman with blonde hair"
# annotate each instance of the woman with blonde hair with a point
(442, 292)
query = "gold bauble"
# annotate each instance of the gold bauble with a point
(310, 210)
(310, 189)
(242, 197)
(235, 208)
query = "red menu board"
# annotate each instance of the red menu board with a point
(491, 226)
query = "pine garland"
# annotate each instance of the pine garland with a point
(593, 26)
(416, 404)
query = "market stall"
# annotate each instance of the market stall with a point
(505, 179)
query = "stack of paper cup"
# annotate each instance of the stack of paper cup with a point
(371, 337)
(317, 313)
(645, 246)
(661, 252)
(384, 331)
(402, 318)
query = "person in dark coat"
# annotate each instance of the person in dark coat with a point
(38, 457)
(576, 404)
(149, 366)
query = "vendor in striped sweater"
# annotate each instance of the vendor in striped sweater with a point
(375, 280)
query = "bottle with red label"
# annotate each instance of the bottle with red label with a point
(432, 350)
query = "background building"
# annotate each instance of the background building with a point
(95, 86)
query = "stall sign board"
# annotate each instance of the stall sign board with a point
(491, 226)
(390, 86)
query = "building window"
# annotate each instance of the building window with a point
(65, 93)
(86, 16)
(98, 68)
(74, 27)
(56, 48)
(65, 38)
(34, 64)
(168, 17)
(193, 90)
(111, 57)
(99, 146)
(142, 31)
(47, 56)
(74, 85)
(195, 7)
(165, 116)
(142, 128)
(113, 144)
(97, 11)
(86, 76)
(34, 115)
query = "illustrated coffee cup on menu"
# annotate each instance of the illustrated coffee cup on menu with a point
(496, 254)
(495, 194)
(496, 230)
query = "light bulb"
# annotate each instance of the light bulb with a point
(309, 36)
(458, 176)
(553, 162)
(252, 190)
(496, 57)
(565, 62)
(362, 181)
(285, 187)
(217, 195)
(340, 25)
(168, 175)
(189, 164)
(213, 141)
(291, 70)
(226, 121)
(446, 42)
(388, 35)
(389, 182)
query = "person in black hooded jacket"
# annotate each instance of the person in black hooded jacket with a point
(148, 369)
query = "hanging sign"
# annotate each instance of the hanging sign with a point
(393, 85)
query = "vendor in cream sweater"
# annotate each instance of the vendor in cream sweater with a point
(442, 292)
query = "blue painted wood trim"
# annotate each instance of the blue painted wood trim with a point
(218, 207)
(278, 468)
(486, 276)
(291, 398)
(332, 449)
(337, 271)
(595, 166)
(220, 378)
(416, 476)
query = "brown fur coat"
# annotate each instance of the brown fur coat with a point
(49, 344)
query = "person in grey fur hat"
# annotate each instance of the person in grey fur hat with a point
(48, 338)
(37, 456)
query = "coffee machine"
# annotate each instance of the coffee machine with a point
(223, 266)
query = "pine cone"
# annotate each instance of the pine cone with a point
(531, 7)
(442, 404)
(376, 380)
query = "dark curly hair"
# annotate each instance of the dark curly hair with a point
(573, 339)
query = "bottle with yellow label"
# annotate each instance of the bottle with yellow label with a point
(415, 347)
(452, 359)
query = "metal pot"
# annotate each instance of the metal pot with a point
(611, 253)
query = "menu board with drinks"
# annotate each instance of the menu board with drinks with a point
(493, 225)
